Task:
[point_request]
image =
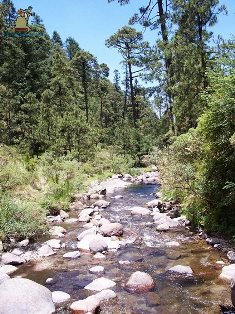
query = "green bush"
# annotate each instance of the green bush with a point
(20, 219)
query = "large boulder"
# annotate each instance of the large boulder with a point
(23, 296)
(100, 284)
(112, 229)
(140, 282)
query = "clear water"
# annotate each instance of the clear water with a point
(148, 251)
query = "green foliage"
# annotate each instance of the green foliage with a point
(21, 219)
(199, 166)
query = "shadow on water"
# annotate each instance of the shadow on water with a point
(147, 250)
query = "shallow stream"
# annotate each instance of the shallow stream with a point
(149, 251)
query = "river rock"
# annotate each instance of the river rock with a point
(91, 231)
(3, 277)
(54, 243)
(153, 299)
(163, 227)
(23, 243)
(228, 273)
(12, 259)
(152, 204)
(87, 211)
(57, 231)
(140, 282)
(72, 255)
(60, 297)
(84, 218)
(104, 221)
(186, 270)
(137, 210)
(78, 205)
(45, 251)
(23, 296)
(63, 214)
(71, 221)
(100, 284)
(96, 269)
(117, 197)
(86, 306)
(17, 252)
(231, 256)
(101, 203)
(99, 256)
(105, 295)
(97, 244)
(7, 269)
(233, 292)
(84, 244)
(112, 229)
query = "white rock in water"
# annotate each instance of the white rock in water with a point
(228, 273)
(57, 231)
(124, 262)
(117, 197)
(90, 231)
(172, 243)
(137, 210)
(17, 252)
(112, 229)
(54, 243)
(153, 203)
(86, 306)
(49, 280)
(3, 277)
(140, 282)
(105, 295)
(60, 297)
(101, 203)
(7, 269)
(96, 269)
(45, 251)
(72, 255)
(23, 296)
(163, 227)
(182, 269)
(99, 256)
(100, 284)
(12, 259)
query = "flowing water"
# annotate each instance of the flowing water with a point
(147, 250)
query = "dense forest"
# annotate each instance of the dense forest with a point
(63, 122)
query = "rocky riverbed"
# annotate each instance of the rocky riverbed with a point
(119, 250)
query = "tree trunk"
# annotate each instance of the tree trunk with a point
(168, 62)
(84, 85)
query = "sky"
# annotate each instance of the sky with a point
(91, 22)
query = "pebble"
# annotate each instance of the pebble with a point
(99, 255)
